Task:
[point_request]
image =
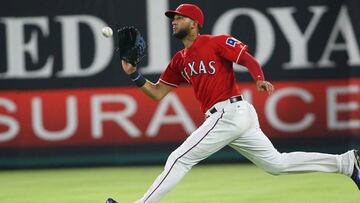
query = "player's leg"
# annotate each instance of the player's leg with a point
(255, 146)
(215, 133)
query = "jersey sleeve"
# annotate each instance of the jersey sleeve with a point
(230, 48)
(172, 76)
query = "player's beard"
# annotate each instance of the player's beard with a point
(183, 32)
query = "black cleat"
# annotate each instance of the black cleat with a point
(356, 172)
(111, 200)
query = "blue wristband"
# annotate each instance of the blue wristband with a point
(137, 78)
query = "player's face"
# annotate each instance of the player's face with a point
(181, 26)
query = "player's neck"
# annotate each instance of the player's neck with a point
(189, 39)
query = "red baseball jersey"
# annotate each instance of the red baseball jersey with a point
(208, 66)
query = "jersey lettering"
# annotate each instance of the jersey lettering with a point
(192, 69)
(201, 68)
(212, 67)
(185, 75)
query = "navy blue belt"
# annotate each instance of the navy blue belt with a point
(232, 100)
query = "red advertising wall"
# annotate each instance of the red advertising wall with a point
(97, 116)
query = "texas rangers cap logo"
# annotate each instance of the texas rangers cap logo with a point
(232, 41)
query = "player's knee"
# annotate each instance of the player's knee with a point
(276, 168)
(179, 162)
(176, 158)
(277, 165)
(172, 163)
(274, 171)
(171, 159)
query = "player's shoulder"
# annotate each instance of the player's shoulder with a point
(221, 38)
(227, 39)
(213, 37)
(177, 56)
(217, 39)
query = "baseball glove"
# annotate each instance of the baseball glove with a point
(131, 45)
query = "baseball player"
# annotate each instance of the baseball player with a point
(206, 64)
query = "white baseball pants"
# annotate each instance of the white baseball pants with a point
(237, 125)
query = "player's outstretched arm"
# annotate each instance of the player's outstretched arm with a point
(155, 91)
(256, 72)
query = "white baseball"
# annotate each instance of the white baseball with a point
(107, 31)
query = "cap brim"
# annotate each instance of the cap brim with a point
(170, 14)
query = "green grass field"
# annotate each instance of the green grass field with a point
(203, 184)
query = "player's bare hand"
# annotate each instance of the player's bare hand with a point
(128, 67)
(263, 86)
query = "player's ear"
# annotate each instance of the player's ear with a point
(194, 24)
